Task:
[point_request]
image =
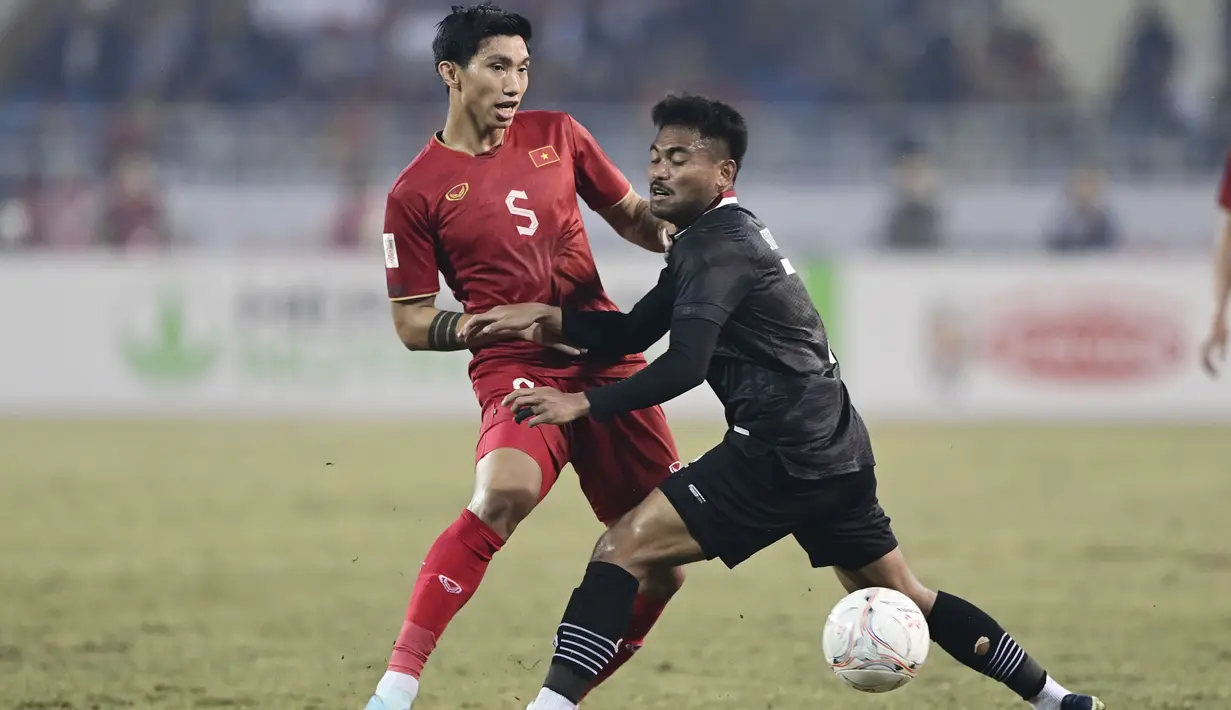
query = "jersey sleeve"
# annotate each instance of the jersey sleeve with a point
(599, 182)
(712, 274)
(410, 252)
(678, 370)
(616, 333)
(1224, 186)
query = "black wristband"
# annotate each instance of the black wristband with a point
(442, 333)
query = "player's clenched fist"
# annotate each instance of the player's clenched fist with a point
(544, 405)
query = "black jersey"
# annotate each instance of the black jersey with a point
(741, 319)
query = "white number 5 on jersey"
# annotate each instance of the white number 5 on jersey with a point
(516, 211)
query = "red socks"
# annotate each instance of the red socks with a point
(449, 577)
(451, 573)
(645, 613)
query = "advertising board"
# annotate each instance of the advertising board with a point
(1105, 338)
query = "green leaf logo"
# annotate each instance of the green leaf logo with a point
(167, 353)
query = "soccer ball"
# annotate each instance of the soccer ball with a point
(876, 640)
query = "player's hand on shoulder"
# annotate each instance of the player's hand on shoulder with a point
(1214, 349)
(546, 405)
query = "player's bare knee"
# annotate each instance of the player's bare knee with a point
(613, 544)
(639, 551)
(625, 544)
(508, 486)
(661, 582)
(606, 549)
(502, 508)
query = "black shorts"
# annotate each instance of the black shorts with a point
(736, 503)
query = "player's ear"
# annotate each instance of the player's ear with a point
(449, 74)
(727, 170)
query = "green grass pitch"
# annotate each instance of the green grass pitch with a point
(266, 565)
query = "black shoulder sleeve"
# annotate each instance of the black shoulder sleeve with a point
(712, 275)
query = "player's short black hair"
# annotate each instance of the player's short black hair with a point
(712, 120)
(459, 35)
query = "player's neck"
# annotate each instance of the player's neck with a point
(463, 134)
(726, 197)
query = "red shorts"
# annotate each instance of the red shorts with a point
(618, 462)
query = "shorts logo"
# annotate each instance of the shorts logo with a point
(696, 493)
(391, 251)
(457, 192)
(450, 586)
(522, 383)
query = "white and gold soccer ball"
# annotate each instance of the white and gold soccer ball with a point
(876, 640)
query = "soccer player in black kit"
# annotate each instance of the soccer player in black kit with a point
(796, 459)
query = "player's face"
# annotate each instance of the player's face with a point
(493, 84)
(686, 175)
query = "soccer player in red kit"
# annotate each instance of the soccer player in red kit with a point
(492, 204)
(1214, 349)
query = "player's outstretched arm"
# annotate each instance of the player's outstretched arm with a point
(599, 332)
(1214, 350)
(680, 369)
(615, 333)
(632, 220)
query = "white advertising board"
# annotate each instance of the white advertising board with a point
(972, 339)
(197, 336)
(919, 339)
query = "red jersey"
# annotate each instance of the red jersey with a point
(505, 227)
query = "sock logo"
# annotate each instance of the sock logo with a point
(450, 586)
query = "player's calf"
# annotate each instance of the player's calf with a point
(642, 547)
(655, 590)
(507, 488)
(970, 635)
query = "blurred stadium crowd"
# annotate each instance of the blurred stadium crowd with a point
(248, 51)
(121, 93)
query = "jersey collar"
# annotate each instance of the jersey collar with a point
(438, 141)
(726, 198)
(723, 200)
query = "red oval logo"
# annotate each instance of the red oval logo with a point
(1087, 343)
